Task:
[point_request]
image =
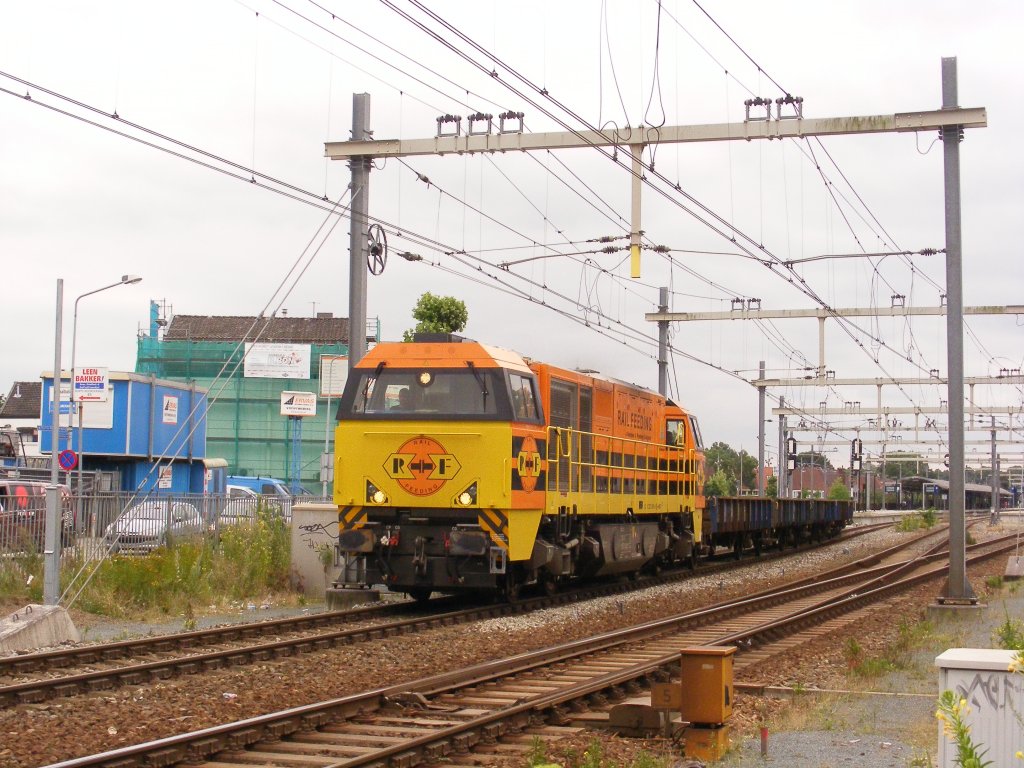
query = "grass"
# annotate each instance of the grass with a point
(248, 561)
(592, 756)
(915, 521)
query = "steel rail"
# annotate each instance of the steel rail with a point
(196, 746)
(39, 690)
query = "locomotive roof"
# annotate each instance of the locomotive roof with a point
(456, 354)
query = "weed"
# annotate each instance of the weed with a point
(994, 582)
(951, 713)
(852, 652)
(538, 753)
(872, 668)
(969, 539)
(929, 517)
(248, 560)
(647, 760)
(909, 523)
(1010, 634)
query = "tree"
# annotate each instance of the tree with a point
(771, 488)
(838, 491)
(718, 485)
(438, 314)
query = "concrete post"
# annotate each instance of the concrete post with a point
(360, 168)
(958, 589)
(51, 538)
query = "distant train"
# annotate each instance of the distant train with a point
(463, 467)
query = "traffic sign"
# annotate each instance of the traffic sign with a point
(67, 459)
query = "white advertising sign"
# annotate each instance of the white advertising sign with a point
(90, 385)
(333, 375)
(277, 361)
(170, 409)
(164, 480)
(298, 403)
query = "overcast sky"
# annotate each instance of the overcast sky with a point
(262, 85)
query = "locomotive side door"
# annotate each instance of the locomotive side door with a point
(562, 446)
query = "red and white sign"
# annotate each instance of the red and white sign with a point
(90, 385)
(298, 403)
(170, 409)
(165, 477)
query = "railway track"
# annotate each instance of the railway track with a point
(143, 660)
(537, 692)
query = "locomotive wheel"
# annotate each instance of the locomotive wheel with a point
(511, 589)
(420, 594)
(550, 586)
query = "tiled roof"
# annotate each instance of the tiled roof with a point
(280, 330)
(23, 401)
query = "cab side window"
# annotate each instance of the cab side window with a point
(524, 400)
(675, 432)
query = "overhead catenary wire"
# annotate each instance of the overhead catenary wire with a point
(797, 280)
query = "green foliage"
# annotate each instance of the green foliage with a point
(1010, 634)
(915, 521)
(994, 582)
(874, 667)
(813, 459)
(838, 491)
(951, 712)
(718, 485)
(438, 314)
(852, 652)
(771, 488)
(248, 561)
(593, 757)
(740, 468)
(903, 464)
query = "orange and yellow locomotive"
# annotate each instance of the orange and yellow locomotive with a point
(463, 467)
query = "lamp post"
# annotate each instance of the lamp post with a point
(125, 280)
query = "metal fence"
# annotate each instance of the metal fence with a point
(119, 523)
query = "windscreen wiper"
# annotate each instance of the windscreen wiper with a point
(366, 384)
(479, 380)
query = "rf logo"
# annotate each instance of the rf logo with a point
(529, 460)
(421, 466)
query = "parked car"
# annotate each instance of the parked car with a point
(153, 523)
(243, 506)
(270, 489)
(23, 514)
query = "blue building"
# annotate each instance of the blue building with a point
(150, 434)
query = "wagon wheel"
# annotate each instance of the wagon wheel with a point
(420, 594)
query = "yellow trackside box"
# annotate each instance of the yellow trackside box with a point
(707, 684)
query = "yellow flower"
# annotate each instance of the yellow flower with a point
(1019, 755)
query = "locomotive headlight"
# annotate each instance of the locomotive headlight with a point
(375, 495)
(425, 378)
(467, 497)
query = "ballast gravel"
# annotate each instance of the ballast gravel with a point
(39, 734)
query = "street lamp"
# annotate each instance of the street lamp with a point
(125, 280)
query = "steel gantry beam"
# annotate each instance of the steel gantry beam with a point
(785, 128)
(450, 140)
(896, 410)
